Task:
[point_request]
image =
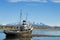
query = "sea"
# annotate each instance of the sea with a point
(48, 32)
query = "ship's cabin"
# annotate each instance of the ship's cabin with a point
(25, 26)
(24, 22)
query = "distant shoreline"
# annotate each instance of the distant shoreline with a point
(34, 28)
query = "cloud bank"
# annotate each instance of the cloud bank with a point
(27, 0)
(55, 1)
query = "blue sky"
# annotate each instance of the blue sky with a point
(45, 11)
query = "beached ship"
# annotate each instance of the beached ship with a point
(24, 30)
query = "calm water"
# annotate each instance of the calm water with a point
(50, 32)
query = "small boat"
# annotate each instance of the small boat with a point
(24, 30)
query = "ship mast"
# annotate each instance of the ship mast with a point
(20, 16)
(26, 16)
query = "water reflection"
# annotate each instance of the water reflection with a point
(48, 32)
(19, 38)
(2, 36)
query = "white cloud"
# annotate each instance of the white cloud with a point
(27, 0)
(12, 0)
(56, 1)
